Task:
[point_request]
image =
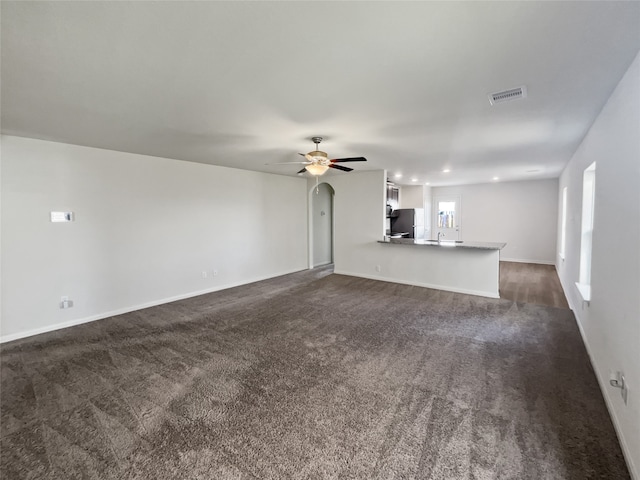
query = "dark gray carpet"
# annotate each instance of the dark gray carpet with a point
(310, 375)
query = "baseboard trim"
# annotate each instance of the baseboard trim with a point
(321, 264)
(478, 293)
(603, 383)
(524, 260)
(133, 308)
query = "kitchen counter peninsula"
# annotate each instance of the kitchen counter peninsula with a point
(445, 243)
(456, 266)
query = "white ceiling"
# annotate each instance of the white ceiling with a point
(242, 84)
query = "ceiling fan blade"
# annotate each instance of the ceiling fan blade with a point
(352, 159)
(302, 171)
(287, 163)
(340, 167)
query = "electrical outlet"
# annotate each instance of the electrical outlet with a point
(378, 268)
(65, 302)
(215, 273)
(204, 274)
(617, 380)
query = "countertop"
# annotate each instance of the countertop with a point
(445, 243)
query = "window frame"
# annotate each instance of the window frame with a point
(586, 231)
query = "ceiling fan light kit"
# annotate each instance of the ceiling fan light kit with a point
(319, 159)
(317, 162)
(317, 168)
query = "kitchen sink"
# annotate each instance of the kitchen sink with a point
(444, 241)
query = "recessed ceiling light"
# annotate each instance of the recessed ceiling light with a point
(426, 183)
(398, 175)
(446, 170)
(496, 179)
(414, 179)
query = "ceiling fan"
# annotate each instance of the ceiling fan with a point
(318, 162)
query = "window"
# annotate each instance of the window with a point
(446, 214)
(563, 225)
(588, 199)
(447, 217)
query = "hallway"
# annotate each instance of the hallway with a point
(531, 283)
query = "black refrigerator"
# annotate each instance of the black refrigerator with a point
(409, 222)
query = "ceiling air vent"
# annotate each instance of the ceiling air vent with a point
(507, 95)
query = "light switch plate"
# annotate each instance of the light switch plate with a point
(62, 217)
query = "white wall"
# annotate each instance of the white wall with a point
(146, 228)
(359, 217)
(522, 214)
(412, 196)
(610, 324)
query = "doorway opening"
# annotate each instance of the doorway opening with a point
(321, 223)
(446, 217)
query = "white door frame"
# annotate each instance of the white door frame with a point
(458, 224)
(312, 192)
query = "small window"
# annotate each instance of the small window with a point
(588, 202)
(563, 224)
(446, 214)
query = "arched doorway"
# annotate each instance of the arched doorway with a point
(321, 225)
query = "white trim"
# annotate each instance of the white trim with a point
(584, 291)
(434, 217)
(310, 194)
(563, 222)
(71, 323)
(310, 227)
(321, 264)
(421, 284)
(524, 260)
